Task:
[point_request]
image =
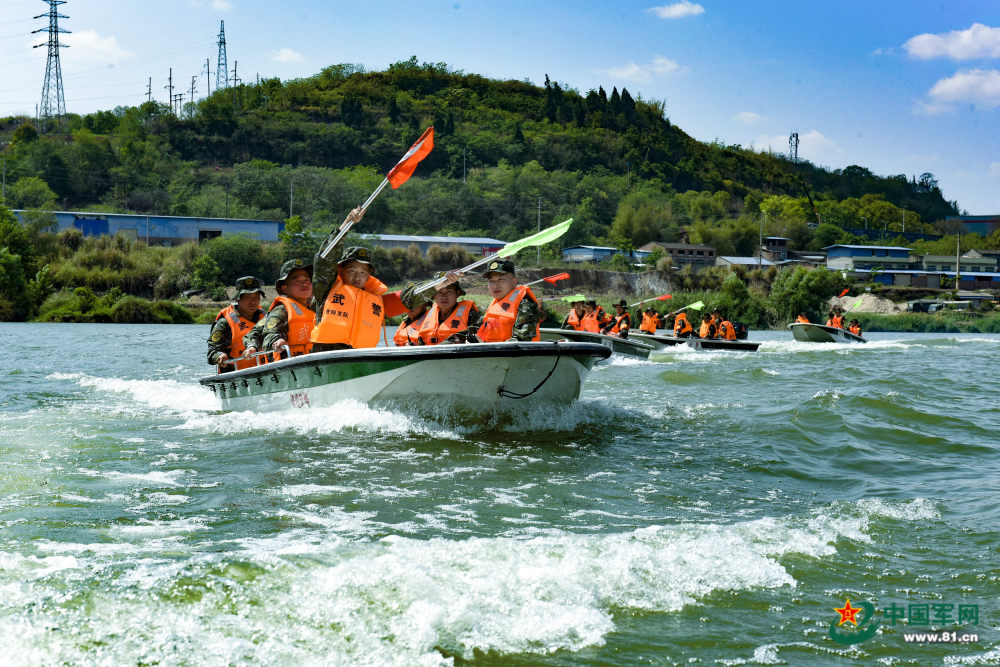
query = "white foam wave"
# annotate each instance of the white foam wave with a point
(170, 394)
(343, 416)
(305, 597)
(156, 478)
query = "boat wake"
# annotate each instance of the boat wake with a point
(315, 596)
(179, 397)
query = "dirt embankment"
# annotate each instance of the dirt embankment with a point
(866, 303)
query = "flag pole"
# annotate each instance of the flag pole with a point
(345, 226)
(398, 175)
(542, 237)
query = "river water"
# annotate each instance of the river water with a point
(712, 508)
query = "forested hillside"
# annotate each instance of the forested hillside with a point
(507, 155)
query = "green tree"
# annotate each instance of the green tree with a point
(31, 192)
(802, 290)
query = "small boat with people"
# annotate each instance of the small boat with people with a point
(616, 344)
(666, 341)
(822, 333)
(480, 379)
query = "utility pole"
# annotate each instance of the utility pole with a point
(53, 101)
(193, 80)
(221, 68)
(149, 90)
(208, 79)
(958, 251)
(760, 246)
(170, 88)
(179, 101)
(793, 147)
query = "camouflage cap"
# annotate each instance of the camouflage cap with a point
(358, 254)
(248, 285)
(623, 303)
(412, 300)
(290, 266)
(499, 266)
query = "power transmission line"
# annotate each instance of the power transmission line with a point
(221, 67)
(53, 104)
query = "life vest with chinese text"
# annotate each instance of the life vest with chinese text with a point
(500, 317)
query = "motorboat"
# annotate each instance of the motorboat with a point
(478, 378)
(616, 344)
(821, 333)
(666, 341)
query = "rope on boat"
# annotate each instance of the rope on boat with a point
(506, 393)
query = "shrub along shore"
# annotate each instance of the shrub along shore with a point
(67, 277)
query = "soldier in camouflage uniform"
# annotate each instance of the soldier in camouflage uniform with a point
(505, 291)
(241, 315)
(274, 327)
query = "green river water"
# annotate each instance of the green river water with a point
(710, 508)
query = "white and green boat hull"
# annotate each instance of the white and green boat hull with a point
(618, 345)
(481, 378)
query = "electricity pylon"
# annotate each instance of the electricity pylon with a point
(52, 110)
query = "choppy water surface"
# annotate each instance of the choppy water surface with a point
(712, 508)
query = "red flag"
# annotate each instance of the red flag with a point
(418, 151)
(846, 290)
(556, 278)
(664, 297)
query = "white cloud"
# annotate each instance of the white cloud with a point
(678, 10)
(813, 146)
(933, 108)
(88, 46)
(660, 66)
(969, 86)
(217, 5)
(287, 55)
(979, 41)
(749, 118)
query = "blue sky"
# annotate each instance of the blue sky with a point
(898, 87)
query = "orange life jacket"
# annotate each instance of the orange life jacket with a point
(408, 333)
(351, 315)
(856, 330)
(681, 325)
(649, 323)
(619, 320)
(573, 320)
(835, 321)
(433, 331)
(727, 330)
(499, 319)
(590, 323)
(602, 317)
(707, 330)
(238, 326)
(802, 320)
(300, 324)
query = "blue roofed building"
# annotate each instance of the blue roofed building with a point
(595, 254)
(867, 257)
(162, 229)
